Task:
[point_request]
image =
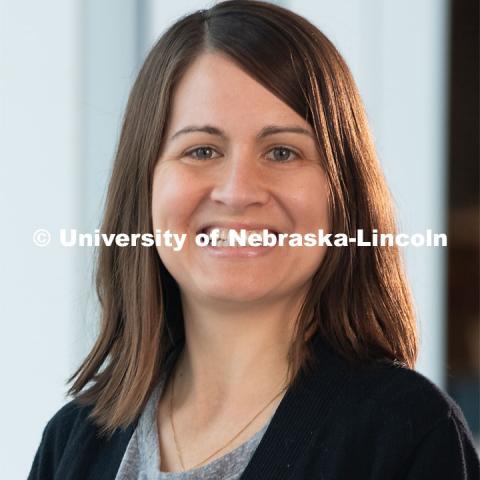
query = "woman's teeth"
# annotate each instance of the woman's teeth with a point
(237, 237)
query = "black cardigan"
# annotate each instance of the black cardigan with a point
(376, 422)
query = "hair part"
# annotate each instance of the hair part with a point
(358, 300)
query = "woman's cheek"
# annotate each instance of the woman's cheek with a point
(308, 205)
(176, 195)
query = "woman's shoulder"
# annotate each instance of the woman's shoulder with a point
(378, 392)
(72, 442)
(70, 419)
(392, 400)
(388, 421)
(385, 418)
(404, 389)
(383, 386)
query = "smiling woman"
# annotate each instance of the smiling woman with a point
(252, 362)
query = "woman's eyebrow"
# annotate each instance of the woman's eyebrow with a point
(264, 132)
(273, 129)
(203, 128)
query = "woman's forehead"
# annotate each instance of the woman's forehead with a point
(216, 91)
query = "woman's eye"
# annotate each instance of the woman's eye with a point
(201, 153)
(282, 154)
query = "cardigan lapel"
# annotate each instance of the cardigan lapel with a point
(303, 410)
(111, 453)
(102, 456)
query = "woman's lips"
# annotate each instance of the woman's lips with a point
(224, 233)
(223, 242)
(237, 226)
(237, 251)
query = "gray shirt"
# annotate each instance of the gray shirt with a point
(142, 456)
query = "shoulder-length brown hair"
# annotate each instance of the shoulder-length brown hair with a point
(358, 300)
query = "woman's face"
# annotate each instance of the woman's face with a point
(236, 156)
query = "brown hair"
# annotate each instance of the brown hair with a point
(358, 300)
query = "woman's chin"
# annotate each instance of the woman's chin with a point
(237, 293)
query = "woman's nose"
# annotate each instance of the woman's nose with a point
(240, 182)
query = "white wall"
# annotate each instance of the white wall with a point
(39, 168)
(65, 71)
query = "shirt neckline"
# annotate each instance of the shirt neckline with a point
(148, 435)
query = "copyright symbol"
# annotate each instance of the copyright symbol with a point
(41, 237)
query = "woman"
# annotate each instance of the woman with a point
(252, 362)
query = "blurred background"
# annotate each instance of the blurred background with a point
(66, 67)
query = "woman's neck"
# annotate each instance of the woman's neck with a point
(234, 355)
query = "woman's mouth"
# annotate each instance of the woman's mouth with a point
(220, 236)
